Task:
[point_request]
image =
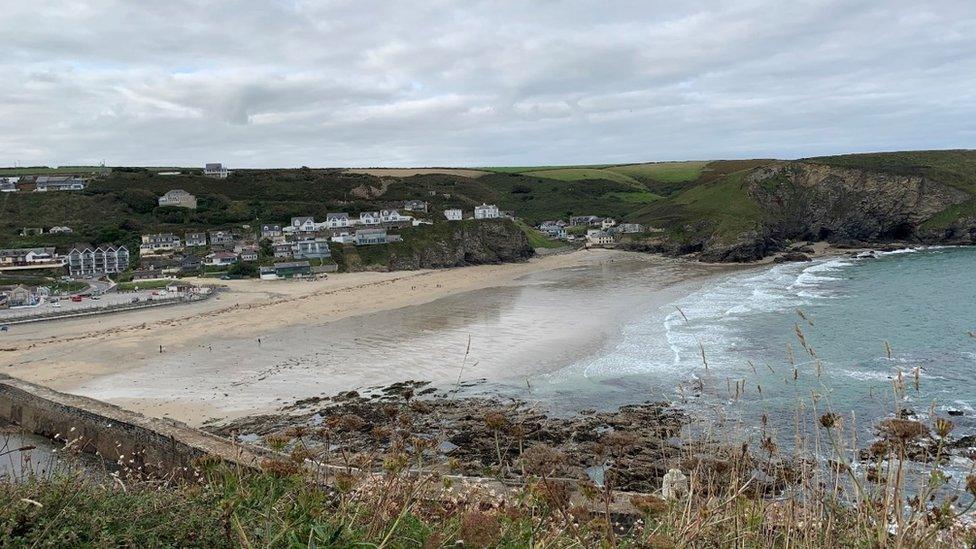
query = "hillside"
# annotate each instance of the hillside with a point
(733, 210)
(745, 210)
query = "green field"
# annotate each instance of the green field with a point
(580, 174)
(664, 172)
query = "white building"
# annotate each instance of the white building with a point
(607, 223)
(370, 218)
(393, 216)
(338, 220)
(45, 183)
(60, 229)
(98, 261)
(454, 214)
(215, 169)
(196, 239)
(311, 248)
(303, 224)
(156, 243)
(486, 211)
(629, 228)
(270, 231)
(221, 259)
(415, 206)
(598, 237)
(178, 198)
(8, 184)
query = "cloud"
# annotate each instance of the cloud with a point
(446, 82)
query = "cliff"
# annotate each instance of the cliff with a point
(925, 197)
(444, 244)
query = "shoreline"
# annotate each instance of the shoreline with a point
(73, 356)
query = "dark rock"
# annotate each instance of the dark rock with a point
(791, 257)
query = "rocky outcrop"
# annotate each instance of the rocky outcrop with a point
(804, 201)
(843, 206)
(456, 244)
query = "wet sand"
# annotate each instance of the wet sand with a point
(497, 322)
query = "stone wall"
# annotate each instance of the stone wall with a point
(157, 445)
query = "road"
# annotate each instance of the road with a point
(65, 305)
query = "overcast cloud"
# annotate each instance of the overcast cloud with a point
(469, 83)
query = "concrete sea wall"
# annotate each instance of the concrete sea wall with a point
(156, 445)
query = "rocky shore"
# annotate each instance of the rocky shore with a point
(476, 436)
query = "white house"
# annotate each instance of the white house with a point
(393, 216)
(60, 229)
(486, 211)
(454, 214)
(221, 237)
(339, 220)
(8, 184)
(196, 239)
(156, 243)
(215, 169)
(415, 206)
(45, 183)
(221, 258)
(370, 218)
(607, 223)
(178, 198)
(344, 238)
(627, 228)
(303, 224)
(599, 237)
(270, 231)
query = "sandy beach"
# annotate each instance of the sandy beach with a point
(265, 343)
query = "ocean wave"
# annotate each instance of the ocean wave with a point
(710, 319)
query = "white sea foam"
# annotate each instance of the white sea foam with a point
(712, 316)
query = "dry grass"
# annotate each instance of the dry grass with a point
(814, 488)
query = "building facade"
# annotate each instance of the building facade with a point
(311, 248)
(454, 214)
(98, 261)
(159, 243)
(178, 198)
(45, 183)
(486, 211)
(215, 169)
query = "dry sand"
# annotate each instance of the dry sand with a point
(72, 355)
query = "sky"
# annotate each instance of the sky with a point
(479, 83)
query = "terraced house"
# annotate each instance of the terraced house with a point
(83, 260)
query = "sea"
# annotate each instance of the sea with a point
(866, 337)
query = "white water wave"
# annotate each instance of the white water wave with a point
(708, 320)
